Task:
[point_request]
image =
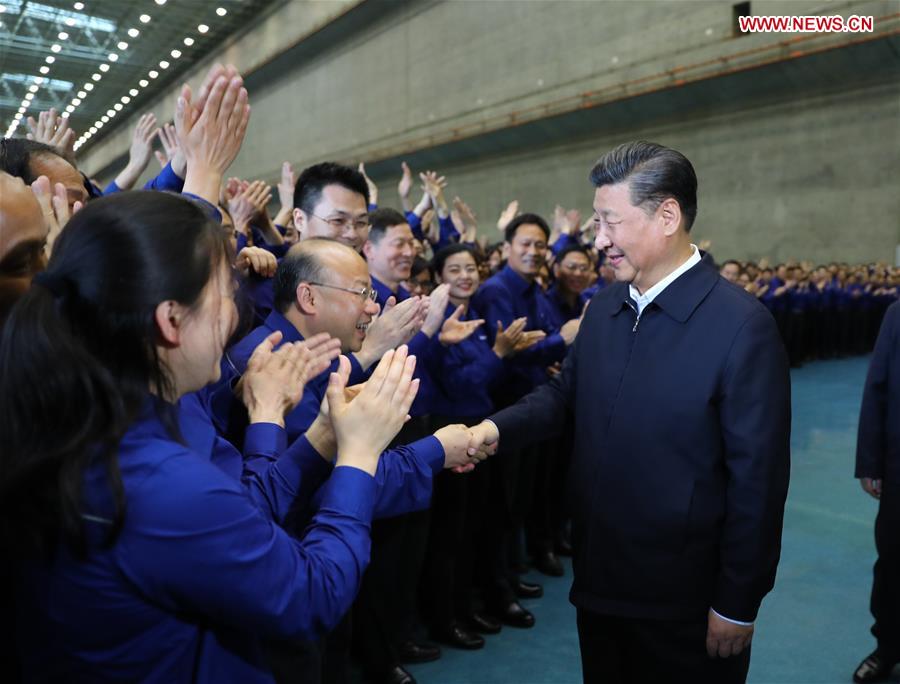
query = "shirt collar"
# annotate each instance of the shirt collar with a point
(642, 300)
(384, 291)
(276, 321)
(514, 281)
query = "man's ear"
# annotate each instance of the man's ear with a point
(368, 249)
(299, 221)
(669, 212)
(169, 318)
(305, 299)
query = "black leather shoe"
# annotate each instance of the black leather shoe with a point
(874, 668)
(411, 652)
(457, 636)
(514, 615)
(547, 563)
(528, 590)
(483, 623)
(397, 675)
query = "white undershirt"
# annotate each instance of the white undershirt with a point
(642, 300)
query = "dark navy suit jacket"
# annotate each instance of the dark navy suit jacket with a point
(878, 441)
(682, 440)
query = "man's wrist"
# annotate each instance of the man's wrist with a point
(267, 414)
(734, 622)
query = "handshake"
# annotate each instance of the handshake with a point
(464, 446)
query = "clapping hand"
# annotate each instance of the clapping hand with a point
(373, 189)
(454, 331)
(52, 129)
(508, 215)
(507, 341)
(365, 426)
(54, 206)
(260, 261)
(396, 324)
(274, 380)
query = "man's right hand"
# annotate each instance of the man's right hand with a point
(396, 325)
(871, 486)
(484, 439)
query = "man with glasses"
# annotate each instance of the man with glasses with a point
(332, 200)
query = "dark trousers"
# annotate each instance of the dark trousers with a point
(313, 662)
(885, 602)
(384, 615)
(619, 650)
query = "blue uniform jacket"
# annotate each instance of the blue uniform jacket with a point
(197, 576)
(464, 373)
(505, 297)
(682, 450)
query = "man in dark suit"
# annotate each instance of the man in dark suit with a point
(878, 469)
(680, 392)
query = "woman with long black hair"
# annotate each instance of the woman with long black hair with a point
(134, 557)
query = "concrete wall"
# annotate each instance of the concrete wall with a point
(810, 172)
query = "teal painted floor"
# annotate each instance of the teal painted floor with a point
(813, 628)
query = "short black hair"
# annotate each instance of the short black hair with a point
(437, 263)
(300, 265)
(314, 179)
(521, 220)
(732, 261)
(381, 219)
(418, 265)
(16, 155)
(568, 249)
(654, 173)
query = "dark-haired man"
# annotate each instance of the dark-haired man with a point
(332, 200)
(730, 270)
(680, 395)
(510, 294)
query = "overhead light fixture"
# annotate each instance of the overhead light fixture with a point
(100, 123)
(33, 88)
(221, 11)
(82, 94)
(163, 64)
(38, 79)
(44, 70)
(89, 86)
(143, 83)
(76, 102)
(133, 32)
(113, 57)
(145, 18)
(122, 45)
(203, 28)
(175, 54)
(70, 109)
(63, 35)
(110, 113)
(133, 92)
(25, 103)
(49, 59)
(70, 22)
(153, 74)
(92, 130)
(118, 107)
(22, 110)
(104, 68)
(29, 96)
(125, 99)
(96, 77)
(160, 2)
(55, 47)
(188, 41)
(79, 6)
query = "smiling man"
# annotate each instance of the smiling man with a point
(680, 393)
(23, 234)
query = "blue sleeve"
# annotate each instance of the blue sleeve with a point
(459, 370)
(372, 207)
(420, 345)
(194, 537)
(211, 210)
(415, 225)
(497, 306)
(561, 243)
(111, 188)
(404, 477)
(281, 229)
(166, 179)
(277, 476)
(357, 374)
(448, 233)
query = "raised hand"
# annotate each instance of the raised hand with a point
(433, 185)
(256, 259)
(52, 129)
(365, 426)
(508, 215)
(274, 380)
(396, 324)
(404, 187)
(286, 194)
(437, 308)
(139, 152)
(373, 189)
(173, 154)
(507, 340)
(210, 132)
(454, 331)
(54, 205)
